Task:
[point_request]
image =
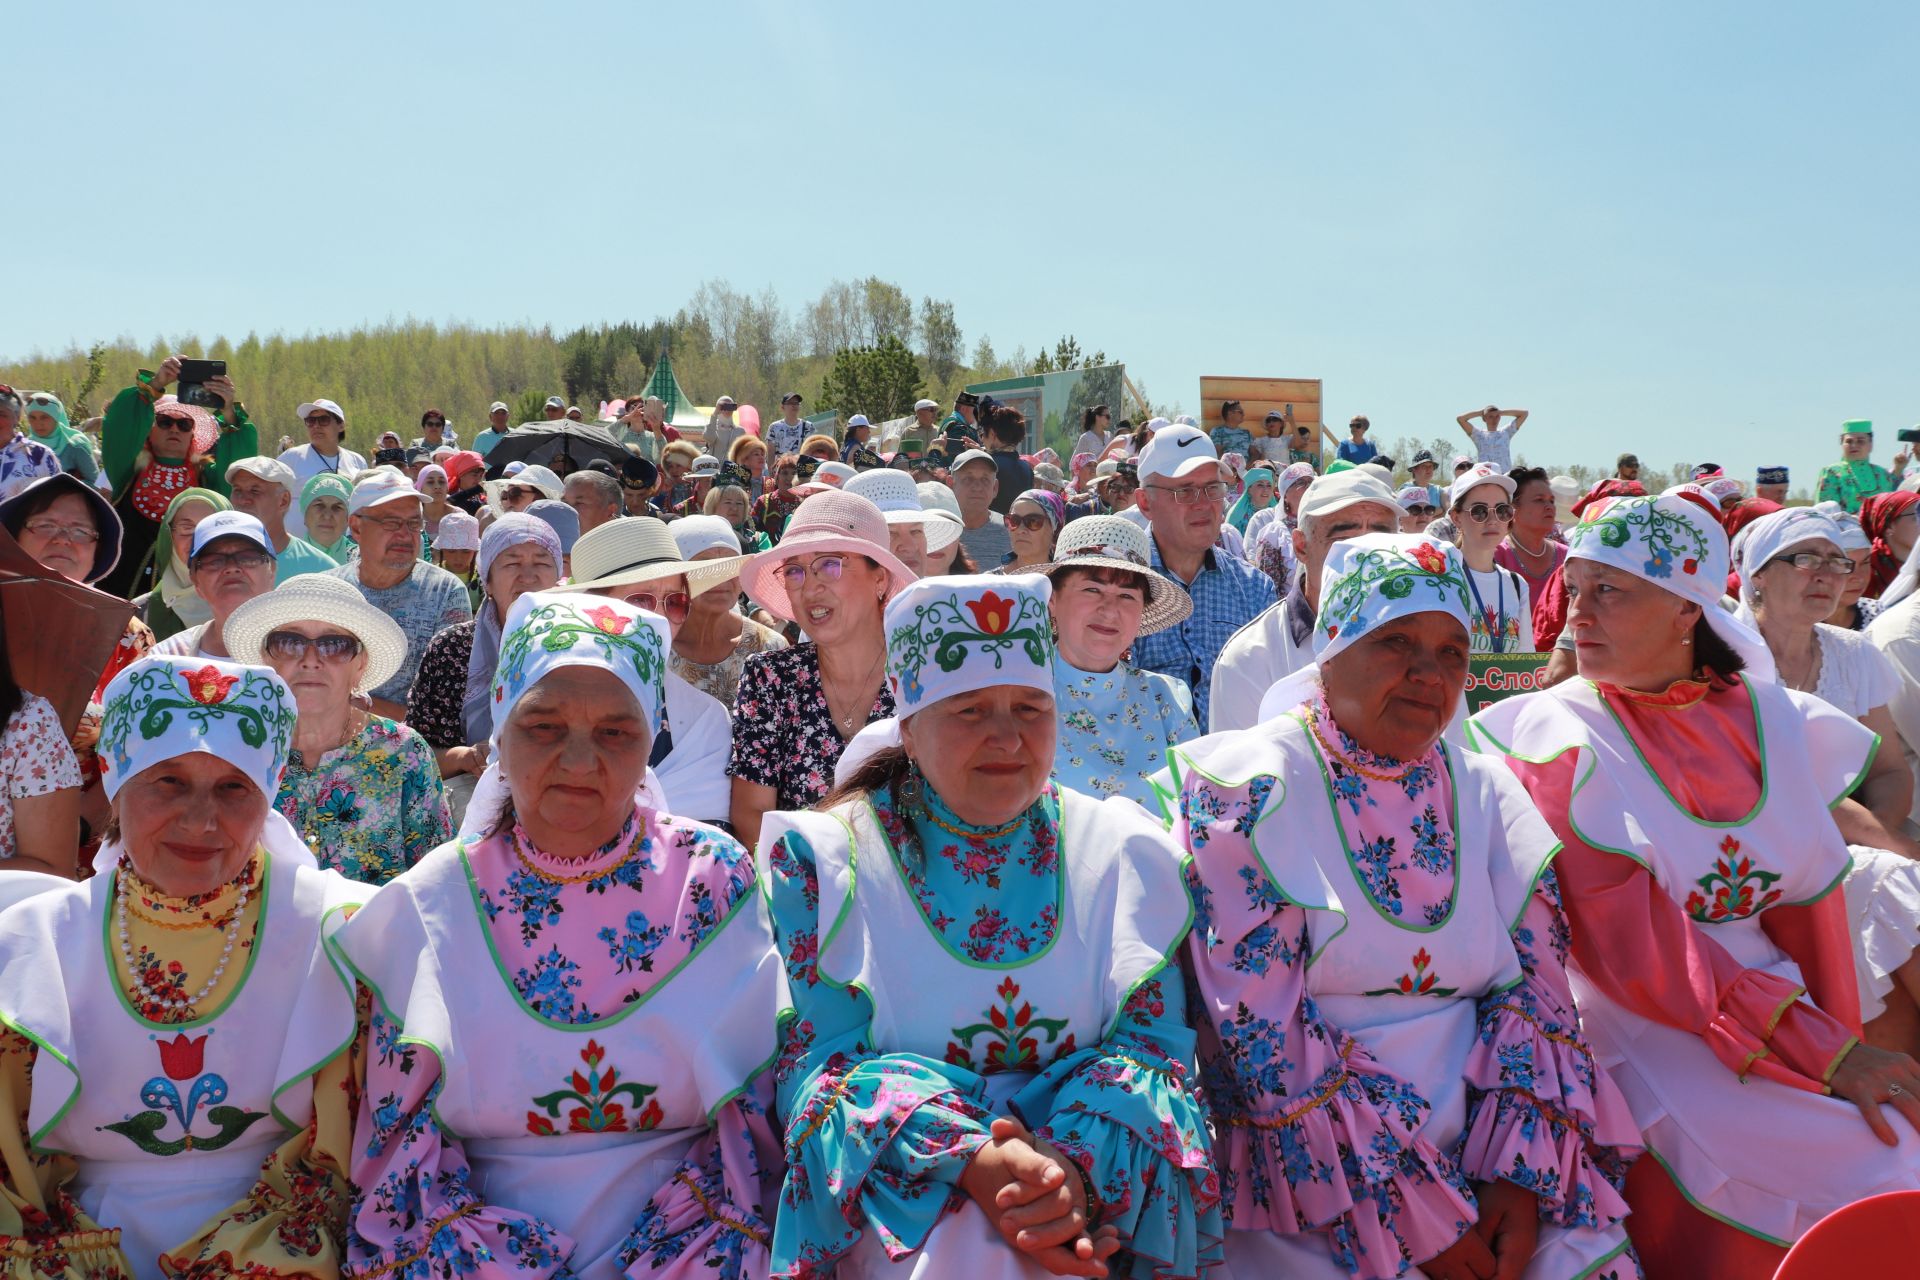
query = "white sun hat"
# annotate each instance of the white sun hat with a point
(946, 526)
(319, 597)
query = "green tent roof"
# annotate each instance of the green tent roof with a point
(680, 408)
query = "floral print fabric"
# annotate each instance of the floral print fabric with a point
(783, 735)
(879, 1135)
(371, 807)
(721, 679)
(1115, 728)
(35, 759)
(577, 940)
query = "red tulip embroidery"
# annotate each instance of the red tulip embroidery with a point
(1734, 889)
(1013, 1032)
(1417, 983)
(607, 620)
(597, 1091)
(1429, 557)
(992, 613)
(184, 1059)
(207, 686)
(181, 1058)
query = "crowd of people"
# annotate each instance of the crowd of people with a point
(769, 851)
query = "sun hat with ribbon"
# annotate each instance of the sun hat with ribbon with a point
(1377, 577)
(1111, 542)
(206, 428)
(1673, 542)
(160, 707)
(825, 523)
(458, 531)
(1758, 544)
(630, 550)
(953, 635)
(548, 630)
(322, 598)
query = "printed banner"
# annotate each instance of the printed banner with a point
(1493, 676)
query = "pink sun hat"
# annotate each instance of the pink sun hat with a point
(826, 522)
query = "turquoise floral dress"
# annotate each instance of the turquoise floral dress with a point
(940, 1000)
(372, 807)
(1116, 726)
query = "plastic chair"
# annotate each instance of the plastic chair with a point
(1873, 1239)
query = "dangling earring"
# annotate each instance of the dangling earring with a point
(1686, 640)
(912, 789)
(1758, 599)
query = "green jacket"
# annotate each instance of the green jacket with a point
(129, 419)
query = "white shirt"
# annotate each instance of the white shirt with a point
(1897, 635)
(308, 462)
(1259, 656)
(1495, 446)
(184, 644)
(1090, 442)
(1501, 592)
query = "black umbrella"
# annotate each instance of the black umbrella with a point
(532, 442)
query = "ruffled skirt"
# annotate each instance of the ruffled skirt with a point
(1883, 906)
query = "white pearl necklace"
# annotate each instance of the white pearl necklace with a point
(172, 1003)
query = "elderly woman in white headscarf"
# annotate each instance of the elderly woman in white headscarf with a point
(1388, 1042)
(1706, 812)
(175, 1035)
(573, 1013)
(986, 1067)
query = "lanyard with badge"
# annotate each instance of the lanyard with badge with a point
(1496, 619)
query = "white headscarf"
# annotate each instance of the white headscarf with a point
(1773, 535)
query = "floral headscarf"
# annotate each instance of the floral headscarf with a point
(159, 708)
(954, 635)
(1243, 507)
(546, 631)
(1049, 502)
(1377, 577)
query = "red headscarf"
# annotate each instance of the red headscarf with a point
(1877, 514)
(1608, 489)
(1742, 515)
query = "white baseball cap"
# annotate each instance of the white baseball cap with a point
(1176, 451)
(858, 420)
(695, 534)
(1343, 489)
(705, 467)
(835, 471)
(230, 524)
(498, 406)
(272, 470)
(327, 406)
(1473, 477)
(378, 486)
(918, 405)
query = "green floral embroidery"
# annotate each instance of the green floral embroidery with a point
(1668, 539)
(1735, 888)
(1012, 1032)
(1394, 574)
(940, 633)
(259, 711)
(557, 628)
(597, 1091)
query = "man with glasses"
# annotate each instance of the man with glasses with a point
(1184, 502)
(1279, 642)
(22, 460)
(326, 424)
(231, 562)
(386, 516)
(263, 488)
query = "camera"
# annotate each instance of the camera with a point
(192, 385)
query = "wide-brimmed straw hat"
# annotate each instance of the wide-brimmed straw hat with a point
(634, 549)
(319, 597)
(1109, 542)
(824, 523)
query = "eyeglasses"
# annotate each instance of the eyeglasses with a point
(397, 524)
(1480, 512)
(793, 574)
(515, 492)
(221, 561)
(1032, 524)
(285, 646)
(53, 531)
(170, 423)
(1197, 493)
(319, 419)
(672, 605)
(1814, 562)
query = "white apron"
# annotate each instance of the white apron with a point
(1361, 955)
(171, 1123)
(655, 1072)
(1123, 910)
(1770, 1159)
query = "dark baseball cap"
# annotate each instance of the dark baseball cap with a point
(792, 397)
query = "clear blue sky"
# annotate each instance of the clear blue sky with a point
(1687, 230)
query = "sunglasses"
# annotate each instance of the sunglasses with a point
(1480, 512)
(1420, 511)
(793, 574)
(170, 423)
(1032, 524)
(319, 419)
(672, 605)
(286, 646)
